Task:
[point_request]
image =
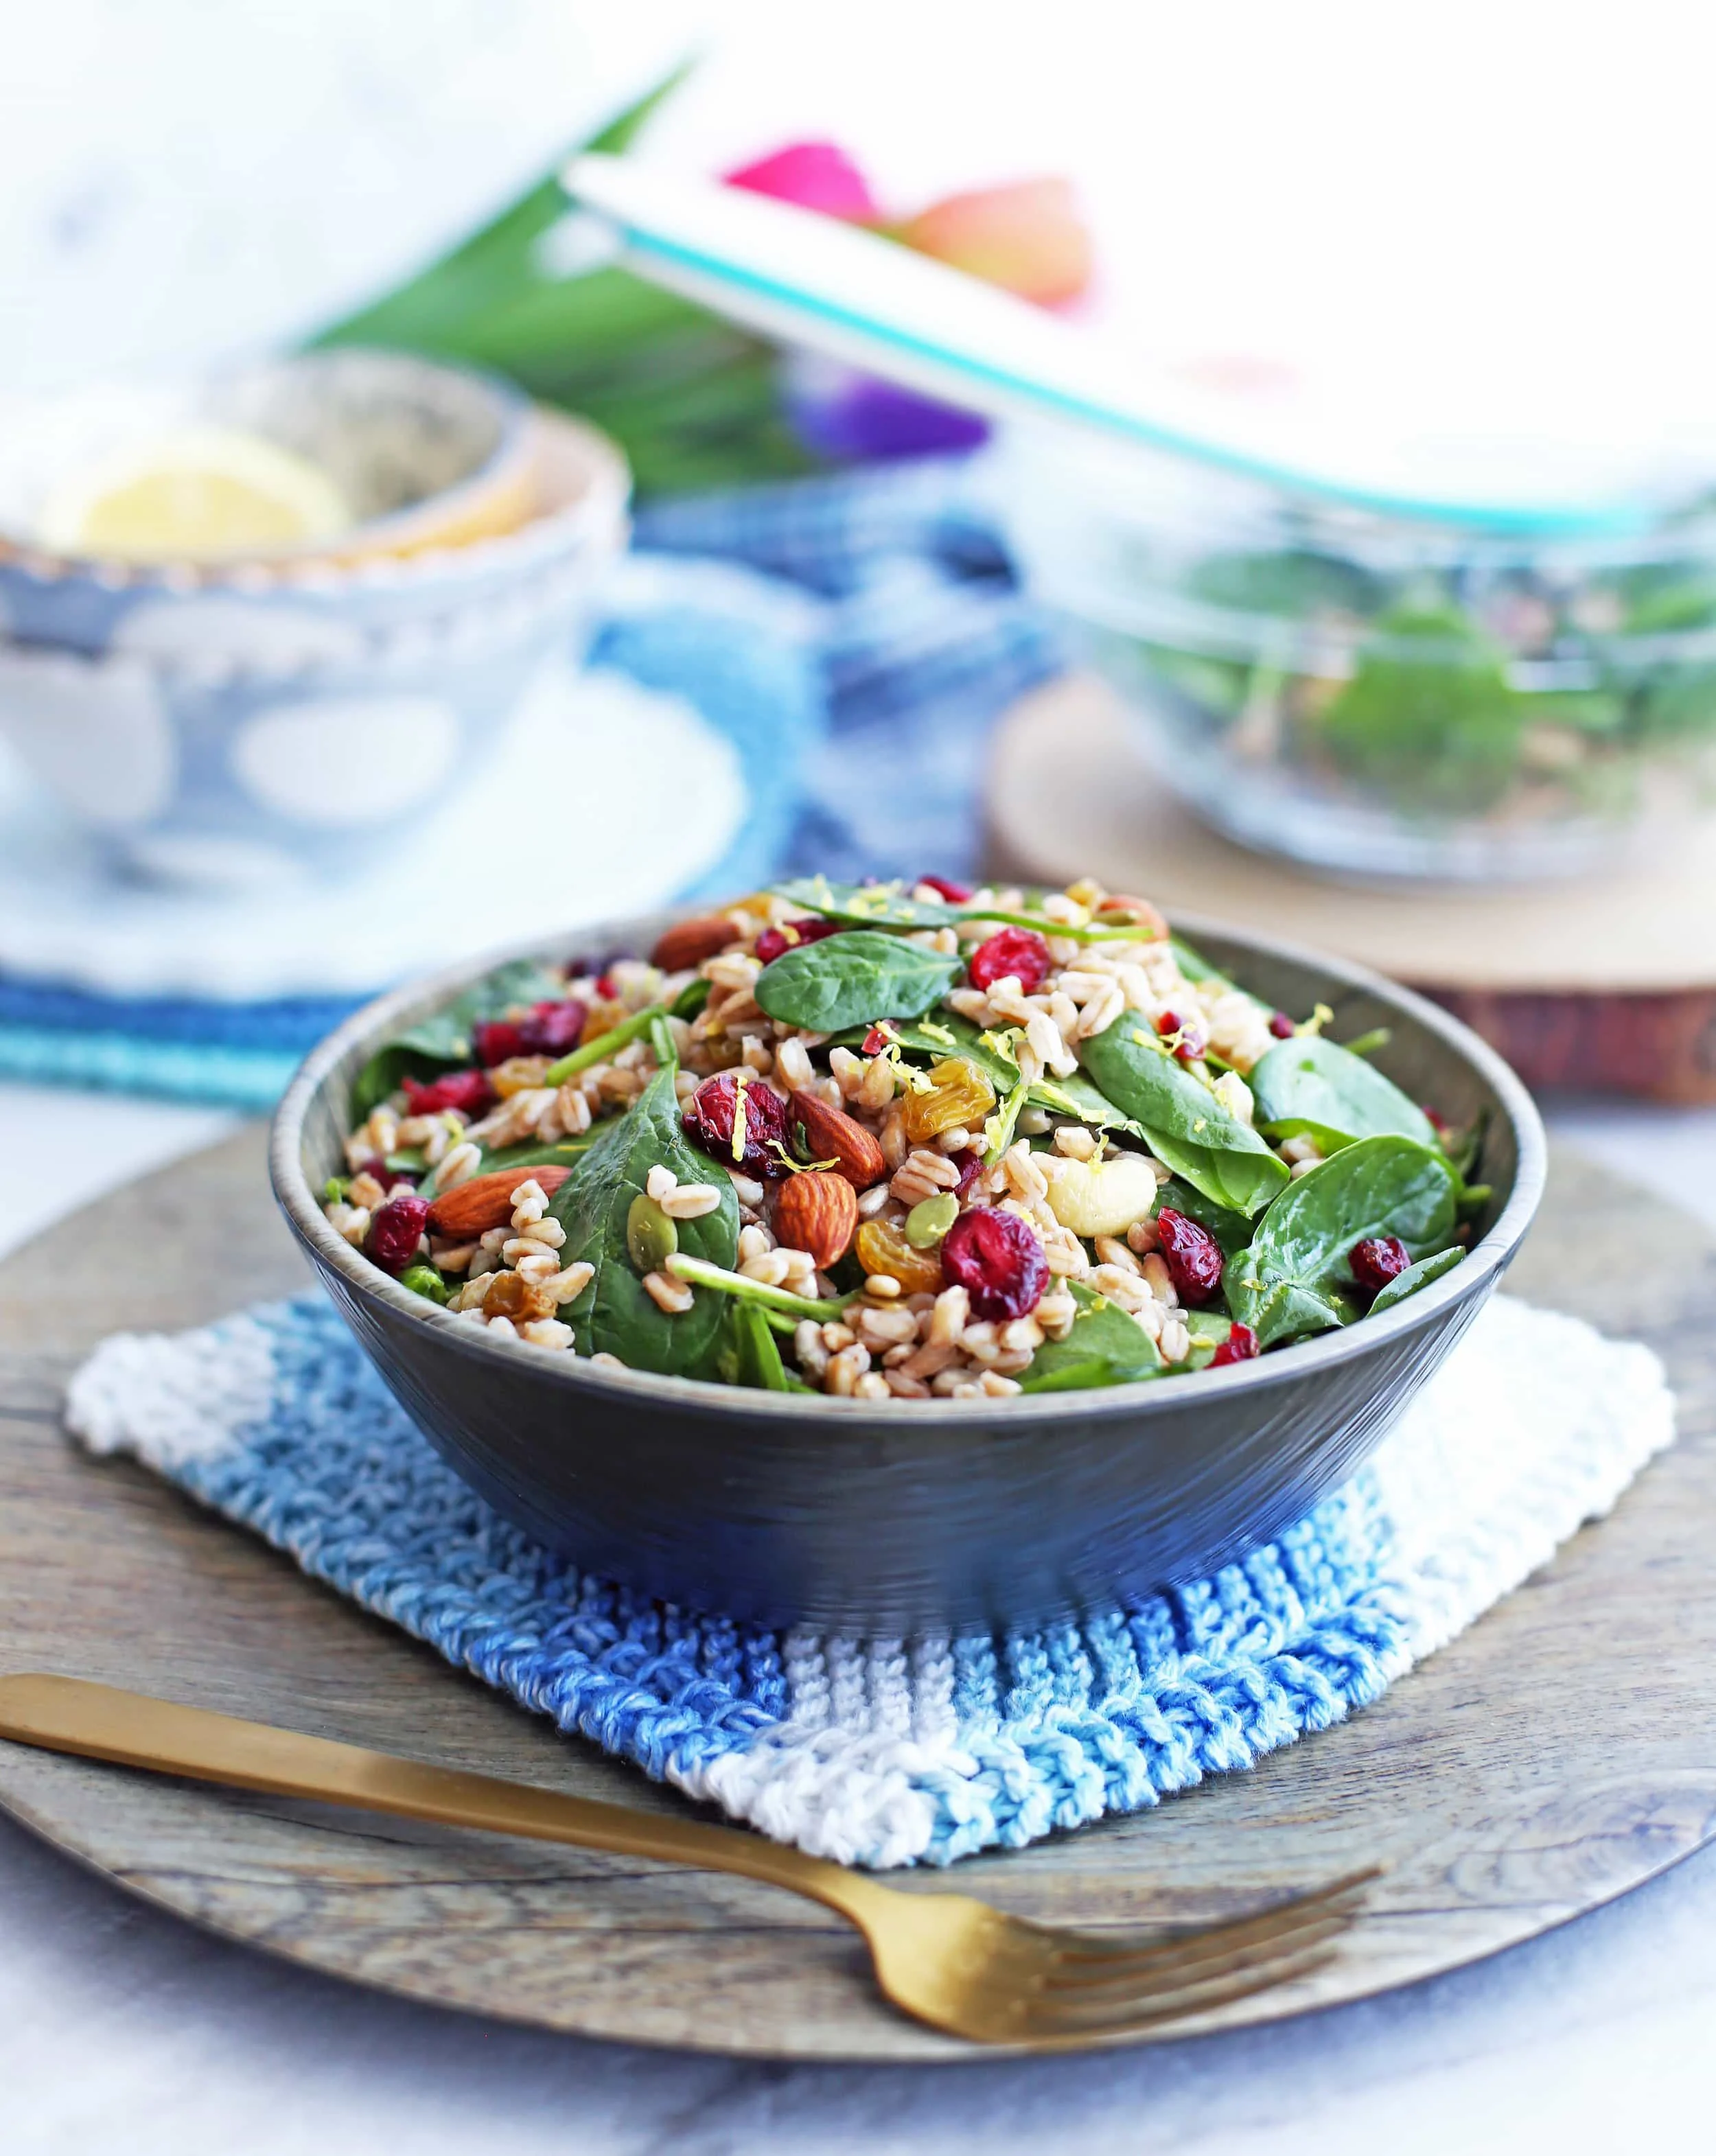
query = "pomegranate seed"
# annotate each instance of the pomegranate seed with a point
(711, 1113)
(1282, 1027)
(1021, 953)
(467, 1090)
(874, 1041)
(969, 1164)
(1378, 1260)
(998, 1258)
(496, 1042)
(774, 943)
(1193, 1256)
(1439, 1123)
(1191, 1042)
(1239, 1346)
(395, 1230)
(956, 894)
(553, 1027)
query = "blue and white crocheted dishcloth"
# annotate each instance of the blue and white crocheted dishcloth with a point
(889, 1751)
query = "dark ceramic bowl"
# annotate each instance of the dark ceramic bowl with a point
(878, 1519)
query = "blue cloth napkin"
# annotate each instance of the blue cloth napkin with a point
(887, 1752)
(861, 738)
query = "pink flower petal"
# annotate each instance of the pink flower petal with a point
(816, 176)
(1027, 237)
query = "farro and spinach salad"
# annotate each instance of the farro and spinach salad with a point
(898, 1142)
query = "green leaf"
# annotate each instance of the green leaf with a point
(1184, 1124)
(1416, 1277)
(1428, 715)
(614, 1314)
(892, 905)
(1105, 1347)
(852, 978)
(1310, 1087)
(1296, 1277)
(442, 1041)
(1076, 1095)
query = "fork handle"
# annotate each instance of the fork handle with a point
(100, 1722)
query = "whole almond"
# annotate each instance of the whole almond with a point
(817, 1212)
(472, 1209)
(834, 1136)
(690, 943)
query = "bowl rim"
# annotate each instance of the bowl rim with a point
(601, 501)
(740, 1404)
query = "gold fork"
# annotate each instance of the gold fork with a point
(949, 1960)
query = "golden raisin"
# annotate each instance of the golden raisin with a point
(517, 1074)
(883, 1248)
(507, 1296)
(959, 1097)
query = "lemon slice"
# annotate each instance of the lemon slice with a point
(204, 494)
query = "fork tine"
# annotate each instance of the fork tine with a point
(1077, 1960)
(1076, 2018)
(1124, 1978)
(1262, 1924)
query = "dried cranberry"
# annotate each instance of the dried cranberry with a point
(956, 894)
(1378, 1260)
(710, 1116)
(1239, 1346)
(395, 1230)
(1021, 953)
(1193, 1254)
(1282, 1027)
(551, 1028)
(1191, 1042)
(969, 1164)
(774, 943)
(468, 1091)
(496, 1042)
(998, 1258)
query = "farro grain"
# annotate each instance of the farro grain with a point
(668, 1293)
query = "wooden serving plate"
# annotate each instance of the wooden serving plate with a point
(1606, 983)
(1560, 1752)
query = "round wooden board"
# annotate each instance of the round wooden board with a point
(1562, 1751)
(1607, 981)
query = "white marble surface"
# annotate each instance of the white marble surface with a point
(122, 2029)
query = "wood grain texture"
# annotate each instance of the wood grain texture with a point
(1560, 1752)
(1605, 982)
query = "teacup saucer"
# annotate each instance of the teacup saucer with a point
(609, 797)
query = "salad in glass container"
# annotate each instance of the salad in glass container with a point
(1380, 697)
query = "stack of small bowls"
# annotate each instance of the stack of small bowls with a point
(289, 712)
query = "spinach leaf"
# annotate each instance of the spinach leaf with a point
(944, 1034)
(1184, 1124)
(891, 905)
(442, 1041)
(1232, 1230)
(1295, 1278)
(857, 976)
(1430, 715)
(1076, 1095)
(1416, 1277)
(1310, 1087)
(613, 1313)
(1104, 1348)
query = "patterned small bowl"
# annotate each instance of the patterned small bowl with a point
(883, 1520)
(237, 723)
